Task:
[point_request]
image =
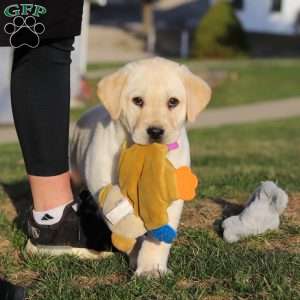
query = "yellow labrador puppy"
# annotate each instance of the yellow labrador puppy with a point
(146, 101)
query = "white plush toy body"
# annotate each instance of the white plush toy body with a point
(261, 213)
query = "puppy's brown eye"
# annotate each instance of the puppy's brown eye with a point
(173, 102)
(138, 101)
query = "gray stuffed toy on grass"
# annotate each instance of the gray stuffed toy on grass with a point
(261, 213)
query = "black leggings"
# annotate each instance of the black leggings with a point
(40, 95)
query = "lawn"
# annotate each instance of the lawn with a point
(236, 82)
(254, 81)
(230, 161)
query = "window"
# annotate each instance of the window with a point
(238, 4)
(276, 5)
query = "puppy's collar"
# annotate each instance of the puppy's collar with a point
(173, 146)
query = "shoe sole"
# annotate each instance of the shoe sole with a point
(82, 253)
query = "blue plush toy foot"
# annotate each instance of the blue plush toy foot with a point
(164, 234)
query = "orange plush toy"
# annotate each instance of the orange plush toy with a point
(151, 183)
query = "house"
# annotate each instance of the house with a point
(269, 16)
(273, 26)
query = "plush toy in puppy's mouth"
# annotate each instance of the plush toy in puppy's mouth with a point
(151, 183)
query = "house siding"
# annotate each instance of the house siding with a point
(257, 16)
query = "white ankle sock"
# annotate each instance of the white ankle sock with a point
(51, 216)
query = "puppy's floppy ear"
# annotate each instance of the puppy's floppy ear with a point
(109, 91)
(198, 93)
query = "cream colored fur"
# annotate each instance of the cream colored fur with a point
(99, 134)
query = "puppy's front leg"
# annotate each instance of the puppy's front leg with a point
(152, 257)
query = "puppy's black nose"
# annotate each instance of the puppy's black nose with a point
(155, 133)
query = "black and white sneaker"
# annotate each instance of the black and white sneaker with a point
(80, 232)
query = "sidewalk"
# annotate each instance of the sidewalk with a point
(262, 111)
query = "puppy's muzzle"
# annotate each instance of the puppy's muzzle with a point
(155, 133)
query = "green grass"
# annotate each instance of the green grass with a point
(246, 80)
(256, 81)
(230, 161)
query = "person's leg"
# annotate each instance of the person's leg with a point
(40, 90)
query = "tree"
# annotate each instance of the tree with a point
(219, 34)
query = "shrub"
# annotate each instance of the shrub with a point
(219, 34)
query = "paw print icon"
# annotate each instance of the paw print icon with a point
(24, 31)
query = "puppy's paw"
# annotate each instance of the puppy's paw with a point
(152, 272)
